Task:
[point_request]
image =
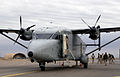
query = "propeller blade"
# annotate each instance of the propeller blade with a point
(30, 27)
(20, 22)
(86, 23)
(20, 30)
(97, 20)
(17, 38)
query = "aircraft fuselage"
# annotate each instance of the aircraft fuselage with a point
(49, 45)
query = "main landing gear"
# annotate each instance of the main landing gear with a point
(42, 66)
(86, 65)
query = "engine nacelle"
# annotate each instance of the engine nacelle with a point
(84, 59)
(94, 33)
(93, 36)
(26, 35)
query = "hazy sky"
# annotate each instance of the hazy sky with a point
(67, 13)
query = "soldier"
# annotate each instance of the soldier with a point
(112, 58)
(105, 58)
(102, 61)
(109, 58)
(66, 46)
(99, 58)
(93, 57)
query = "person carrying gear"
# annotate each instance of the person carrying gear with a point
(65, 46)
(99, 58)
(102, 61)
(112, 59)
(93, 58)
(105, 58)
(109, 58)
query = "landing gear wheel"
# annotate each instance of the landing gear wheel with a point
(86, 65)
(42, 66)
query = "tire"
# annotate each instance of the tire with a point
(42, 68)
(86, 65)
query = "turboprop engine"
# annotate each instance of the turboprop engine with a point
(24, 34)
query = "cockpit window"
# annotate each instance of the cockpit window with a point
(55, 36)
(43, 36)
(48, 36)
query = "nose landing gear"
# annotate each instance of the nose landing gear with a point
(42, 66)
(85, 65)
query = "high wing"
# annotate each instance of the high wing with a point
(86, 31)
(3, 31)
(9, 31)
(24, 34)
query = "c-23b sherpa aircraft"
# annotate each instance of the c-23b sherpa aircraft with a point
(58, 44)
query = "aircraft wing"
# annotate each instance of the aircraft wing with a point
(86, 31)
(9, 31)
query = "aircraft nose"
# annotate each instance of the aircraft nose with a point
(37, 45)
(42, 49)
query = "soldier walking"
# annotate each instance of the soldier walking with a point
(112, 59)
(93, 58)
(105, 58)
(99, 58)
(109, 58)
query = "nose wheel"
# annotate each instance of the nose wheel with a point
(85, 65)
(42, 66)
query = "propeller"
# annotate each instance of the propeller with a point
(94, 29)
(22, 31)
(95, 22)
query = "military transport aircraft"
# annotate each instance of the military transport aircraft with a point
(58, 44)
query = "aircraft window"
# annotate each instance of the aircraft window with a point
(43, 36)
(56, 36)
